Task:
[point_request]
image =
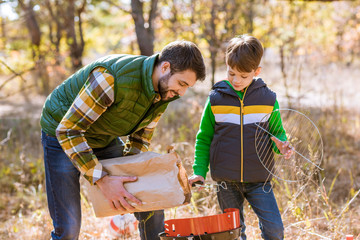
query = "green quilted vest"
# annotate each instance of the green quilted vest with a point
(132, 109)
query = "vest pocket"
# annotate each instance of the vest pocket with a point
(223, 159)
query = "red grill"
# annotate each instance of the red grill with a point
(224, 226)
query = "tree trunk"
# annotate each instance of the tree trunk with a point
(3, 32)
(213, 54)
(339, 41)
(76, 49)
(213, 41)
(56, 14)
(250, 17)
(192, 19)
(144, 30)
(174, 20)
(284, 75)
(38, 58)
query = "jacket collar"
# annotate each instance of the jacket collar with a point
(147, 71)
(223, 86)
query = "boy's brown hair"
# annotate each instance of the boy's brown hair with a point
(244, 53)
(183, 55)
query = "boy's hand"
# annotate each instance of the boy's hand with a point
(284, 147)
(196, 178)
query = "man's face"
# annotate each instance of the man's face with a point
(176, 84)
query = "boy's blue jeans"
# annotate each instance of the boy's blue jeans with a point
(63, 192)
(262, 201)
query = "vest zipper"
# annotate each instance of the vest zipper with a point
(241, 135)
(141, 118)
(147, 109)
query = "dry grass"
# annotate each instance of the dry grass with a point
(324, 207)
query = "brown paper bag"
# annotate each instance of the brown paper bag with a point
(162, 182)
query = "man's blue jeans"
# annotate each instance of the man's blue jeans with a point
(263, 202)
(63, 192)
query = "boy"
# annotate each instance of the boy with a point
(226, 137)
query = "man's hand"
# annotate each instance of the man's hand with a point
(284, 147)
(196, 178)
(113, 189)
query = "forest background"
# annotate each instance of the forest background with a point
(312, 59)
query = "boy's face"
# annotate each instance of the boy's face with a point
(240, 80)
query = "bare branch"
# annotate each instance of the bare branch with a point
(82, 8)
(7, 137)
(153, 13)
(11, 70)
(16, 74)
(79, 11)
(22, 90)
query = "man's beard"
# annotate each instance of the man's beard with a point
(163, 86)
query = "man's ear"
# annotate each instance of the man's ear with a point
(257, 71)
(165, 66)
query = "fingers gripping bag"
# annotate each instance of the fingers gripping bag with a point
(162, 182)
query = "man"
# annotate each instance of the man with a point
(83, 118)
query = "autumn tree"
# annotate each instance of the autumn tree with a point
(143, 21)
(218, 23)
(66, 21)
(144, 28)
(35, 42)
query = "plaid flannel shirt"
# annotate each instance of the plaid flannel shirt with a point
(93, 99)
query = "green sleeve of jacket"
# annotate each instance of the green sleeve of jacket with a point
(203, 141)
(276, 126)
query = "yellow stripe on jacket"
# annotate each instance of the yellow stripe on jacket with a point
(252, 114)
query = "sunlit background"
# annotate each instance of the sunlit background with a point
(311, 60)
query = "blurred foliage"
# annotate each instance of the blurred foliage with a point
(316, 31)
(303, 41)
(325, 204)
(21, 167)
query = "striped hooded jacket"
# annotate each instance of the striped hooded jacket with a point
(233, 156)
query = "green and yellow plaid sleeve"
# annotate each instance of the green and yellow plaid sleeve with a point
(140, 141)
(93, 99)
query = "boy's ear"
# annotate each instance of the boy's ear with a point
(257, 71)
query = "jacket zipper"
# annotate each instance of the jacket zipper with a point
(242, 138)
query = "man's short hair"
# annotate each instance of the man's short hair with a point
(244, 53)
(183, 55)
